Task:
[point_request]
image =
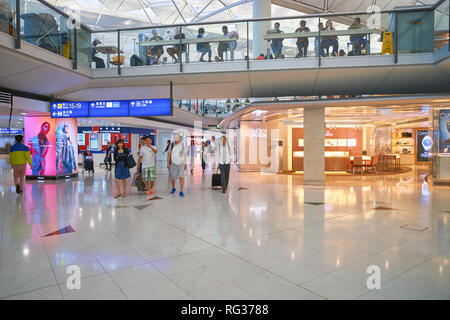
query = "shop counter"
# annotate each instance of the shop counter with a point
(334, 161)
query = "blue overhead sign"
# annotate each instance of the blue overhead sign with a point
(117, 108)
(79, 109)
(150, 107)
(10, 131)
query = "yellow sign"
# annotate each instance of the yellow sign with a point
(65, 50)
(388, 47)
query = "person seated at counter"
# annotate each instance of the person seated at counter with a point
(156, 51)
(203, 47)
(176, 51)
(224, 46)
(99, 62)
(358, 41)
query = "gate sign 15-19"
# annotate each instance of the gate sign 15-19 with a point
(78, 109)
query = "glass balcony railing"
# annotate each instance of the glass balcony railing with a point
(441, 25)
(220, 108)
(312, 40)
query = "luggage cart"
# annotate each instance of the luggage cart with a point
(88, 163)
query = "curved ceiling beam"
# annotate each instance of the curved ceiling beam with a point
(238, 3)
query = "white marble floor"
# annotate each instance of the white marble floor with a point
(277, 239)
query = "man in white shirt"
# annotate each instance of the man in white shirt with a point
(224, 157)
(176, 163)
(147, 159)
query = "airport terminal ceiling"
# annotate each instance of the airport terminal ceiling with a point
(111, 14)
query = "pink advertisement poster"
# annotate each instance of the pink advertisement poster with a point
(53, 146)
(66, 149)
(40, 138)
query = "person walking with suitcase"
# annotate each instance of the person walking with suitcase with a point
(121, 172)
(176, 163)
(19, 156)
(147, 163)
(203, 156)
(108, 154)
(224, 158)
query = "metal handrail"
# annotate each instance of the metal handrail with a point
(50, 6)
(306, 16)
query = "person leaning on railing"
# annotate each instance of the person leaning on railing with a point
(302, 43)
(277, 44)
(357, 40)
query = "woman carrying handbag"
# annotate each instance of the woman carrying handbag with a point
(122, 171)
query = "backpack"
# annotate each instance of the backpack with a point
(136, 61)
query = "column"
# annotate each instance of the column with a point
(314, 136)
(261, 9)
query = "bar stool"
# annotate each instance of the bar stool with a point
(357, 163)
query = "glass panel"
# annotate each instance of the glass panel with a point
(212, 108)
(84, 41)
(45, 28)
(104, 50)
(215, 42)
(415, 31)
(133, 54)
(151, 46)
(356, 35)
(441, 25)
(289, 45)
(7, 16)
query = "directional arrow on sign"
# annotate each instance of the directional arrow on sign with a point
(132, 103)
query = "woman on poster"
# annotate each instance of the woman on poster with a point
(39, 146)
(65, 155)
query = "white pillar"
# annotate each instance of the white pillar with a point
(261, 9)
(314, 135)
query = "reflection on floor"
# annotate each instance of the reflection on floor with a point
(269, 237)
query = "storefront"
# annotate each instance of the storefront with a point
(95, 139)
(276, 143)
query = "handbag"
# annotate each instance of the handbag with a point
(140, 185)
(131, 163)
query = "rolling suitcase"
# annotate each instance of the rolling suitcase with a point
(215, 180)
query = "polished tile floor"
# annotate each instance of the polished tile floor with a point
(277, 239)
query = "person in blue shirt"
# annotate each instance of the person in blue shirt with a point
(19, 156)
(277, 44)
(203, 47)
